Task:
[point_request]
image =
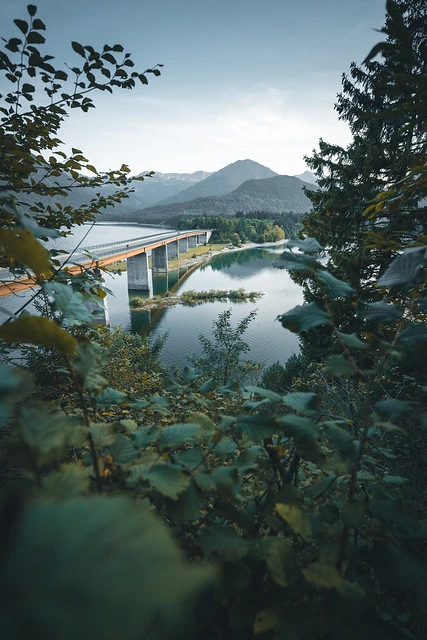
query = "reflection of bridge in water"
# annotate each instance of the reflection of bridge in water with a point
(162, 247)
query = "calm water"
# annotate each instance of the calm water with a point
(250, 269)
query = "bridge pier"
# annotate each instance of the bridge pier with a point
(192, 242)
(173, 250)
(183, 245)
(202, 238)
(159, 258)
(138, 273)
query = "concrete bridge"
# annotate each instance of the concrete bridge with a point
(162, 247)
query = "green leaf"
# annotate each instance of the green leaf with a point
(352, 341)
(339, 366)
(380, 312)
(308, 245)
(281, 562)
(353, 514)
(301, 401)
(323, 575)
(304, 317)
(333, 286)
(178, 434)
(32, 10)
(397, 480)
(414, 335)
(68, 303)
(48, 432)
(191, 458)
(207, 425)
(167, 479)
(144, 436)
(297, 427)
(105, 561)
(225, 447)
(35, 38)
(90, 358)
(296, 261)
(129, 425)
(405, 270)
(256, 427)
(265, 393)
(108, 396)
(14, 386)
(70, 482)
(122, 450)
(340, 439)
(295, 518)
(20, 246)
(40, 331)
(188, 506)
(103, 434)
(222, 542)
(320, 488)
(393, 408)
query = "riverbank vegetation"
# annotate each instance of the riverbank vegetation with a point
(241, 229)
(191, 298)
(135, 504)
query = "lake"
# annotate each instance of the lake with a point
(251, 269)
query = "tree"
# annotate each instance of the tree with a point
(221, 358)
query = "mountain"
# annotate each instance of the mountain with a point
(274, 195)
(161, 186)
(307, 176)
(223, 181)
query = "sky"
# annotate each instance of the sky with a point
(253, 79)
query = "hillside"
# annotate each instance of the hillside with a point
(223, 181)
(274, 195)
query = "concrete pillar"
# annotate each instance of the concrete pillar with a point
(99, 309)
(192, 242)
(201, 238)
(183, 245)
(173, 250)
(208, 235)
(138, 273)
(159, 258)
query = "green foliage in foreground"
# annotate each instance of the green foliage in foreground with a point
(207, 511)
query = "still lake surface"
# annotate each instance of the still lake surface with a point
(251, 269)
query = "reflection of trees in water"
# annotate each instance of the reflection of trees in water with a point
(226, 260)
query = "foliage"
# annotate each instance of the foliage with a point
(287, 510)
(221, 355)
(239, 229)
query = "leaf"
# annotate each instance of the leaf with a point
(14, 386)
(222, 542)
(339, 366)
(21, 246)
(295, 518)
(105, 561)
(207, 425)
(68, 303)
(40, 331)
(380, 312)
(324, 575)
(304, 317)
(22, 25)
(320, 488)
(352, 341)
(392, 408)
(333, 286)
(122, 450)
(144, 436)
(397, 480)
(70, 482)
(300, 401)
(308, 245)
(167, 479)
(340, 438)
(129, 425)
(405, 270)
(265, 393)
(90, 358)
(48, 432)
(225, 447)
(353, 514)
(108, 396)
(297, 427)
(281, 562)
(414, 335)
(102, 433)
(191, 458)
(268, 619)
(178, 434)
(188, 506)
(296, 261)
(78, 49)
(32, 10)
(255, 427)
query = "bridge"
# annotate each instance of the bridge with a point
(162, 247)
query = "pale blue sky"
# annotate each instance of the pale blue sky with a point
(242, 78)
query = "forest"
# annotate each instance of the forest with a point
(138, 505)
